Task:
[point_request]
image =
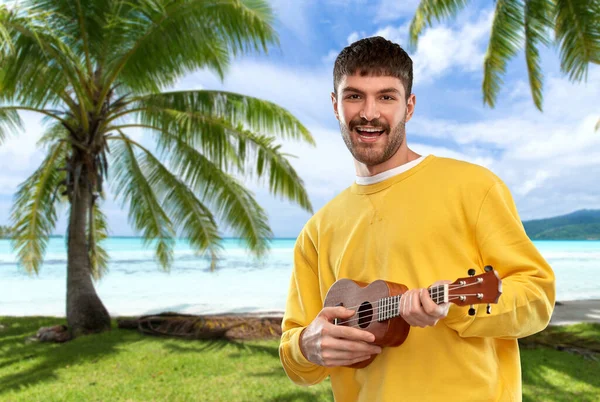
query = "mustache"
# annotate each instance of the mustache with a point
(359, 121)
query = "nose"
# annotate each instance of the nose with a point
(369, 110)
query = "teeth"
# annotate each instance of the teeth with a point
(370, 130)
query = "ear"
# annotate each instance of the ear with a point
(334, 102)
(410, 106)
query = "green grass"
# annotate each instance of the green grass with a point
(123, 365)
(553, 375)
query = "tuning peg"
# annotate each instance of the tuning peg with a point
(488, 309)
(471, 272)
(472, 310)
(488, 268)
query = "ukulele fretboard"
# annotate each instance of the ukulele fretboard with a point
(389, 307)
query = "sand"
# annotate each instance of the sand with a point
(576, 311)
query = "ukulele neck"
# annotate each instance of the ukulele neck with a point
(389, 307)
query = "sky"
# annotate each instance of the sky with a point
(550, 161)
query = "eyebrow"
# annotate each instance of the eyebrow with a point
(381, 91)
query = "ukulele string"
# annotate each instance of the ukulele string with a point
(369, 310)
(449, 288)
(386, 308)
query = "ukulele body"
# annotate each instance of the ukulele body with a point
(363, 299)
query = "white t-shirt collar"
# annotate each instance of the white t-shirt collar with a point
(364, 181)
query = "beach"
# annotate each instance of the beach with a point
(576, 311)
(136, 286)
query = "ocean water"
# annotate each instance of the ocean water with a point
(135, 285)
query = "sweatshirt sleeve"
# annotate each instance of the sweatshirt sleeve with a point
(528, 284)
(303, 305)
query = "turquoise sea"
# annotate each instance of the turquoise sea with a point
(135, 285)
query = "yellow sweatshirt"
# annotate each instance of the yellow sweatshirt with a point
(431, 222)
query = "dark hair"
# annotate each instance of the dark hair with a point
(374, 56)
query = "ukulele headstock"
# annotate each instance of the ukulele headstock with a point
(476, 289)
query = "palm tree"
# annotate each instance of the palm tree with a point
(571, 24)
(96, 68)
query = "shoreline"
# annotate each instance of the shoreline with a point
(566, 312)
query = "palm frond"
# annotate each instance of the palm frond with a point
(429, 10)
(83, 24)
(56, 132)
(506, 39)
(185, 210)
(33, 213)
(97, 232)
(232, 202)
(578, 33)
(42, 66)
(251, 113)
(266, 159)
(9, 123)
(6, 45)
(146, 214)
(167, 39)
(537, 20)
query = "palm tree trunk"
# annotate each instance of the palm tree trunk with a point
(85, 311)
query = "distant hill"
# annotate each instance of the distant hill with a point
(4, 232)
(579, 225)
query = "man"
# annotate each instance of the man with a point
(413, 220)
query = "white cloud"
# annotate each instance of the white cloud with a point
(389, 10)
(354, 36)
(292, 15)
(330, 58)
(396, 34)
(19, 155)
(442, 49)
(549, 160)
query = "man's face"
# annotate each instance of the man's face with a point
(372, 111)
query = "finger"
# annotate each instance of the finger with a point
(406, 300)
(330, 355)
(417, 313)
(415, 303)
(336, 312)
(353, 334)
(409, 313)
(344, 362)
(429, 306)
(331, 343)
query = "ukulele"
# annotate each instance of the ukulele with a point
(377, 304)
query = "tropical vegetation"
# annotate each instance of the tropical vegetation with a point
(5, 232)
(571, 25)
(579, 225)
(124, 365)
(100, 69)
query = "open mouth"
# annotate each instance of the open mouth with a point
(369, 134)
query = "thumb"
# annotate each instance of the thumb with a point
(336, 312)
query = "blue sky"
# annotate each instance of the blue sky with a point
(550, 160)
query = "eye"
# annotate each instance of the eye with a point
(388, 98)
(353, 96)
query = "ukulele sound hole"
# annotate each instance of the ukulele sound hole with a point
(365, 314)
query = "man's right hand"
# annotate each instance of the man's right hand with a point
(330, 345)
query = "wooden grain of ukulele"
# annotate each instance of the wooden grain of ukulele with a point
(377, 304)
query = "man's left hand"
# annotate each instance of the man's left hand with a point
(418, 310)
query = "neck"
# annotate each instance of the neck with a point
(389, 307)
(401, 157)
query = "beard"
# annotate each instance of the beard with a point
(372, 154)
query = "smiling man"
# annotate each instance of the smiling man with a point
(413, 220)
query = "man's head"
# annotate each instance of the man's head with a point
(372, 98)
